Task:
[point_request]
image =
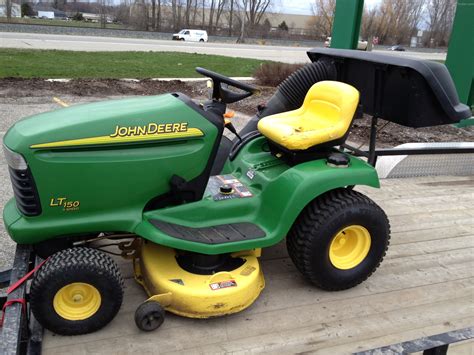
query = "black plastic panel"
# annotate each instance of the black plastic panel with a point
(225, 233)
(407, 91)
(24, 189)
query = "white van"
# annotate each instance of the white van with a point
(191, 35)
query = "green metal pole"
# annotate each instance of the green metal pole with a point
(346, 26)
(460, 58)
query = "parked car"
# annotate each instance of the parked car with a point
(191, 35)
(361, 45)
(397, 48)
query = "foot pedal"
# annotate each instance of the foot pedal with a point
(224, 233)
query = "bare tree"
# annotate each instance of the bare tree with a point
(256, 11)
(440, 15)
(179, 14)
(399, 19)
(153, 15)
(323, 15)
(241, 16)
(122, 12)
(220, 8)
(203, 13)
(174, 12)
(104, 11)
(215, 11)
(231, 15)
(158, 16)
(211, 14)
(139, 15)
(8, 8)
(195, 9)
(187, 12)
(250, 13)
(369, 22)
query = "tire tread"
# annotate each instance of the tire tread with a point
(312, 218)
(75, 261)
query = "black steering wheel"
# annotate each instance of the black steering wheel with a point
(223, 94)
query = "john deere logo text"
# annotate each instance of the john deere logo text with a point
(65, 204)
(151, 128)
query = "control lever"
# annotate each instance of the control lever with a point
(228, 124)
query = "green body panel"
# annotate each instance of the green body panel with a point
(112, 183)
(465, 123)
(280, 193)
(346, 26)
(460, 56)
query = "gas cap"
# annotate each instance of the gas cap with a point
(338, 160)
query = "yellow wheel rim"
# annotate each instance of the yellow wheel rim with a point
(349, 247)
(77, 301)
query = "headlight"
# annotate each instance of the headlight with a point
(14, 160)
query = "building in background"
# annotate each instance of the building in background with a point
(16, 9)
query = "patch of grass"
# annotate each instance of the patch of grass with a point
(26, 63)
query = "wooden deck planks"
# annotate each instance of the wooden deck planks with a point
(425, 286)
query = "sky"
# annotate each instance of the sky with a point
(303, 7)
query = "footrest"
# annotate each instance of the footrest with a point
(225, 233)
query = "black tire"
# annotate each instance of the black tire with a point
(310, 237)
(149, 316)
(201, 40)
(70, 267)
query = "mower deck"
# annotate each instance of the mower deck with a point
(424, 287)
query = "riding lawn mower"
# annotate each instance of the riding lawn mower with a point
(192, 209)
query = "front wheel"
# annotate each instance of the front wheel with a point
(77, 291)
(339, 239)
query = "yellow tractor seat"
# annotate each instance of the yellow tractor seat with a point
(325, 116)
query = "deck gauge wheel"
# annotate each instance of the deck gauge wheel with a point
(149, 316)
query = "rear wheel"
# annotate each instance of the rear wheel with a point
(77, 291)
(201, 40)
(339, 239)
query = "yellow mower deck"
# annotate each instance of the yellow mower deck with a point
(197, 296)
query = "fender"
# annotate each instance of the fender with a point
(280, 194)
(305, 182)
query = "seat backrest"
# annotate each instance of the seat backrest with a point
(333, 100)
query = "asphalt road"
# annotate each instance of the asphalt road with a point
(89, 43)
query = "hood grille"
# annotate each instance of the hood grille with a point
(24, 189)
